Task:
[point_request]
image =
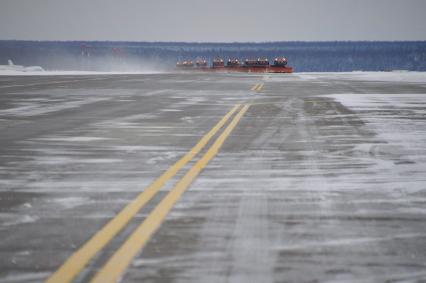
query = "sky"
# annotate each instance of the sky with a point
(213, 20)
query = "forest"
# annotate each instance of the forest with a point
(133, 56)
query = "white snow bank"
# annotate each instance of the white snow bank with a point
(19, 68)
(395, 76)
(6, 72)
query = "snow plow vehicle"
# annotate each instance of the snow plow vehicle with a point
(259, 65)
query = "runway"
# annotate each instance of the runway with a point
(204, 177)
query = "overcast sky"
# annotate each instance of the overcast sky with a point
(213, 20)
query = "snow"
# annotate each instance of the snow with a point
(25, 277)
(15, 219)
(395, 76)
(72, 139)
(30, 72)
(397, 119)
(315, 183)
(19, 69)
(28, 108)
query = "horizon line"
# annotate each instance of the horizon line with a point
(215, 42)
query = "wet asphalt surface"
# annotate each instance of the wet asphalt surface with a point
(323, 179)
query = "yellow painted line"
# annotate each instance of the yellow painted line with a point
(257, 87)
(76, 262)
(254, 87)
(114, 269)
(260, 87)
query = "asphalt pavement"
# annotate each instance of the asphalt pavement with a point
(203, 177)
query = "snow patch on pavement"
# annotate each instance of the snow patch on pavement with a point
(34, 107)
(72, 139)
(396, 76)
(399, 120)
(16, 219)
(25, 277)
(72, 73)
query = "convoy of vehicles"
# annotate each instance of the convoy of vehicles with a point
(259, 65)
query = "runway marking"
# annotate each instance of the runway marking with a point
(115, 267)
(77, 261)
(253, 88)
(257, 87)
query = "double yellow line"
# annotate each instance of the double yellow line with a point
(120, 260)
(257, 87)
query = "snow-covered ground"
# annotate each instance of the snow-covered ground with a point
(67, 73)
(395, 76)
